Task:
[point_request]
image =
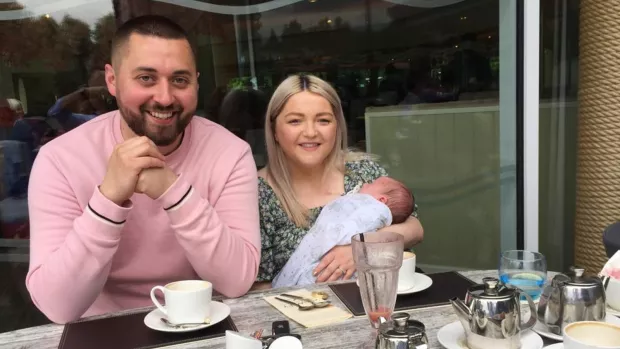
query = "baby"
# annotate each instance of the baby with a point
(373, 206)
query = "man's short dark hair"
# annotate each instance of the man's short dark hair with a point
(149, 25)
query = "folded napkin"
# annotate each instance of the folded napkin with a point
(612, 267)
(308, 318)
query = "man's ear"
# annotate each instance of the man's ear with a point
(110, 79)
(383, 199)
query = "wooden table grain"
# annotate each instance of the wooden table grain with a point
(251, 313)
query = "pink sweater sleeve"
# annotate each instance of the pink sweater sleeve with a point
(221, 238)
(71, 247)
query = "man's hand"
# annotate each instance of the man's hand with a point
(155, 181)
(126, 163)
(336, 264)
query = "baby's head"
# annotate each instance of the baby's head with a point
(392, 193)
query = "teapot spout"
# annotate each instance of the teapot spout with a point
(462, 311)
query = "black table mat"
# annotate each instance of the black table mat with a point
(445, 286)
(130, 332)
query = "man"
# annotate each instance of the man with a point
(145, 195)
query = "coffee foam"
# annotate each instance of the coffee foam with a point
(407, 255)
(189, 286)
(595, 333)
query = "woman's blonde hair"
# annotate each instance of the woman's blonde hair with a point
(277, 170)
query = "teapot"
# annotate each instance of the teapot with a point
(401, 333)
(569, 298)
(491, 315)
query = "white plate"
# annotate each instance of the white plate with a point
(555, 346)
(422, 282)
(543, 331)
(452, 336)
(611, 311)
(219, 312)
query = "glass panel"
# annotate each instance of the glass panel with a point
(421, 87)
(49, 51)
(559, 69)
(429, 86)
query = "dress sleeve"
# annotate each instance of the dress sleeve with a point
(266, 269)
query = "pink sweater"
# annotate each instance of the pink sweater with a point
(89, 256)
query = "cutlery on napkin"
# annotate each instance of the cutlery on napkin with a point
(309, 318)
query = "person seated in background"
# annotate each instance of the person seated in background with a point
(144, 195)
(373, 206)
(84, 104)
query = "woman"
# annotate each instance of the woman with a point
(309, 165)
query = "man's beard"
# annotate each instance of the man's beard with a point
(161, 135)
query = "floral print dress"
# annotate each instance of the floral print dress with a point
(280, 236)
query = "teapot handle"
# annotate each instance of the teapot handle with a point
(533, 317)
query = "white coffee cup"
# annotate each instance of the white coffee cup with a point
(406, 274)
(186, 301)
(612, 293)
(591, 335)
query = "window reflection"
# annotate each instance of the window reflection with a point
(391, 61)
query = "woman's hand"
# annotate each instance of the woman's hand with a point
(336, 264)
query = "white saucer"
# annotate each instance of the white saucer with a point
(422, 282)
(219, 312)
(543, 331)
(555, 346)
(611, 311)
(452, 336)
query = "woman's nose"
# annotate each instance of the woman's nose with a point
(310, 129)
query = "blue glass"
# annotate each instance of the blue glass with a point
(525, 270)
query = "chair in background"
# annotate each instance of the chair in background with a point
(611, 239)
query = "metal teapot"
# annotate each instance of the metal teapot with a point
(569, 298)
(401, 333)
(491, 315)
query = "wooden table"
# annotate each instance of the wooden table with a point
(251, 313)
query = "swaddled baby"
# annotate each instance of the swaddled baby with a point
(373, 206)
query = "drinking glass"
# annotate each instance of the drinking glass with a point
(526, 270)
(378, 257)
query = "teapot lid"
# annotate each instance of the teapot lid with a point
(574, 278)
(492, 289)
(401, 327)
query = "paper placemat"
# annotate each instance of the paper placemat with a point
(130, 332)
(445, 286)
(309, 318)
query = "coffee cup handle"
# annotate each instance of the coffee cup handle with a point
(159, 306)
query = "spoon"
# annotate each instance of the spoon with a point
(317, 304)
(189, 324)
(300, 306)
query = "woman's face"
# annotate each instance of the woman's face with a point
(306, 129)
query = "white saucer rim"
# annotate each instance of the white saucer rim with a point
(608, 317)
(555, 346)
(611, 311)
(539, 341)
(414, 288)
(224, 307)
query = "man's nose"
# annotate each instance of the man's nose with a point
(163, 94)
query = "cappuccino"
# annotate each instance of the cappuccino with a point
(591, 335)
(407, 255)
